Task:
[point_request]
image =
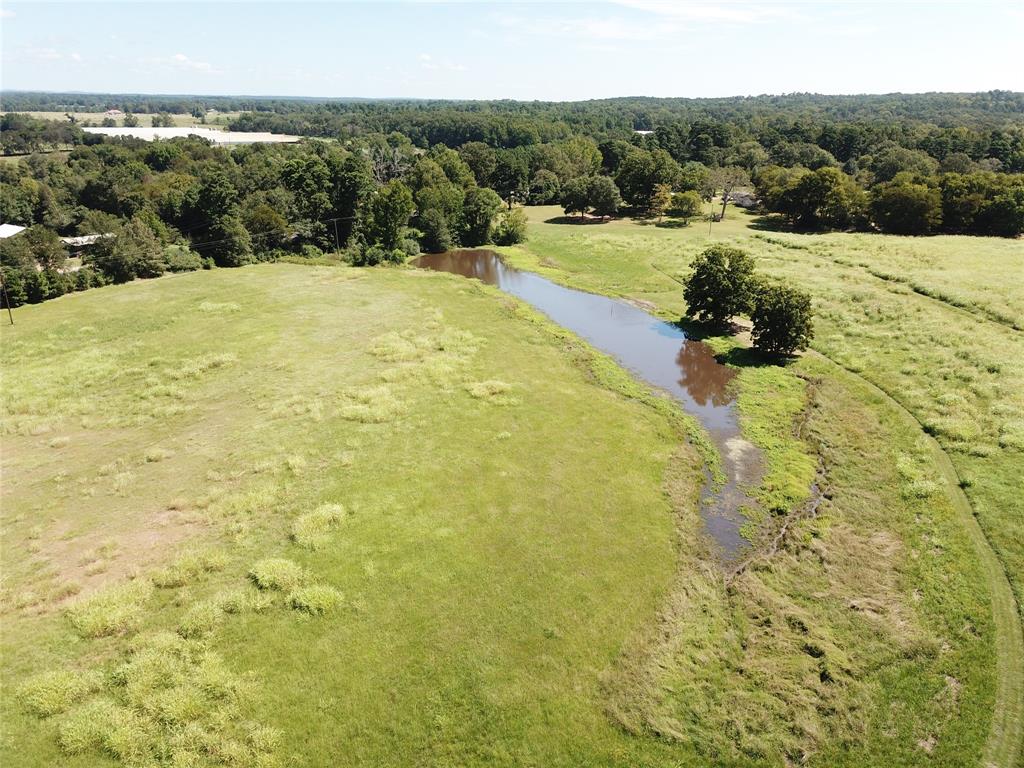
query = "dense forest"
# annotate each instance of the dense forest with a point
(378, 180)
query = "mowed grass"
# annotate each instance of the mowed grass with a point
(359, 518)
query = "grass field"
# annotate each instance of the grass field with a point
(292, 515)
(932, 322)
(145, 118)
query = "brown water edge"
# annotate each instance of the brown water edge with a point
(656, 352)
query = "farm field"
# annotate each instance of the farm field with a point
(145, 119)
(407, 520)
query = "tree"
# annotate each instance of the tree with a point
(511, 227)
(46, 248)
(437, 237)
(685, 205)
(478, 211)
(904, 207)
(389, 212)
(576, 197)
(545, 188)
(725, 181)
(661, 200)
(781, 318)
(481, 160)
(135, 251)
(603, 196)
(130, 120)
(511, 176)
(163, 120)
(826, 197)
(228, 242)
(720, 286)
(640, 172)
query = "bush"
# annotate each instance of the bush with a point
(782, 320)
(277, 573)
(720, 286)
(180, 258)
(511, 227)
(51, 693)
(115, 609)
(315, 599)
(685, 205)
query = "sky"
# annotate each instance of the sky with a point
(490, 50)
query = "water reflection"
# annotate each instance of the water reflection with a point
(656, 351)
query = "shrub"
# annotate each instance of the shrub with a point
(115, 609)
(685, 205)
(511, 227)
(315, 599)
(311, 529)
(51, 693)
(782, 320)
(180, 258)
(720, 286)
(277, 573)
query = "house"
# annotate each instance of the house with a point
(113, 113)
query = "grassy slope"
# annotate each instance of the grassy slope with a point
(488, 581)
(960, 372)
(942, 342)
(498, 602)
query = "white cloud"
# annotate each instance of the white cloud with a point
(42, 54)
(429, 63)
(181, 62)
(6, 14)
(739, 13)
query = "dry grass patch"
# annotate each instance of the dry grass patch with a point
(312, 529)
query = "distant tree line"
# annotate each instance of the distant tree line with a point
(396, 177)
(184, 204)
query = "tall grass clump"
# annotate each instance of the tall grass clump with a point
(492, 391)
(190, 566)
(371, 405)
(201, 619)
(51, 693)
(111, 611)
(277, 573)
(315, 599)
(312, 529)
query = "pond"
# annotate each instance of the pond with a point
(655, 351)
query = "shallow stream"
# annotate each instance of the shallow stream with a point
(655, 351)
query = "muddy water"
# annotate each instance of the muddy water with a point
(656, 352)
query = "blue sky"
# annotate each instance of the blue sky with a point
(480, 50)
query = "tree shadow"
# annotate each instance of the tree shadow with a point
(669, 223)
(770, 222)
(740, 357)
(577, 220)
